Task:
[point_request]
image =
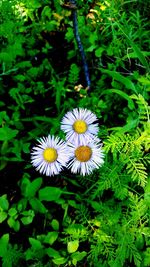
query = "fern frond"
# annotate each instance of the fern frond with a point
(137, 171)
(82, 214)
(133, 253)
(113, 143)
(120, 142)
(102, 245)
(130, 151)
(147, 257)
(77, 231)
(138, 209)
(144, 137)
(110, 178)
(144, 108)
(146, 159)
(120, 188)
(103, 184)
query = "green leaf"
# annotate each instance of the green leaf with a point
(24, 64)
(46, 12)
(28, 216)
(33, 72)
(72, 246)
(33, 187)
(52, 253)
(5, 57)
(7, 133)
(147, 257)
(3, 117)
(50, 193)
(3, 216)
(60, 260)
(13, 224)
(51, 237)
(132, 124)
(136, 49)
(55, 225)
(4, 204)
(144, 80)
(3, 164)
(27, 220)
(36, 244)
(78, 256)
(120, 78)
(24, 186)
(4, 148)
(99, 51)
(37, 205)
(122, 94)
(20, 77)
(140, 55)
(4, 241)
(22, 204)
(26, 148)
(91, 48)
(12, 212)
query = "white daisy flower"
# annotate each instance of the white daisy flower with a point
(78, 125)
(50, 155)
(85, 157)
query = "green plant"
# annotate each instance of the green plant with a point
(67, 220)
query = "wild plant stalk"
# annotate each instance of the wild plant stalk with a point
(73, 6)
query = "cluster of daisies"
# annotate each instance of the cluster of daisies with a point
(82, 151)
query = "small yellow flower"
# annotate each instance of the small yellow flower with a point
(50, 154)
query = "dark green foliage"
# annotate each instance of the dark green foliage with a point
(101, 220)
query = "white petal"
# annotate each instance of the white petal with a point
(96, 160)
(50, 168)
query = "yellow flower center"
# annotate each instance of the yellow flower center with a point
(83, 153)
(80, 126)
(50, 154)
